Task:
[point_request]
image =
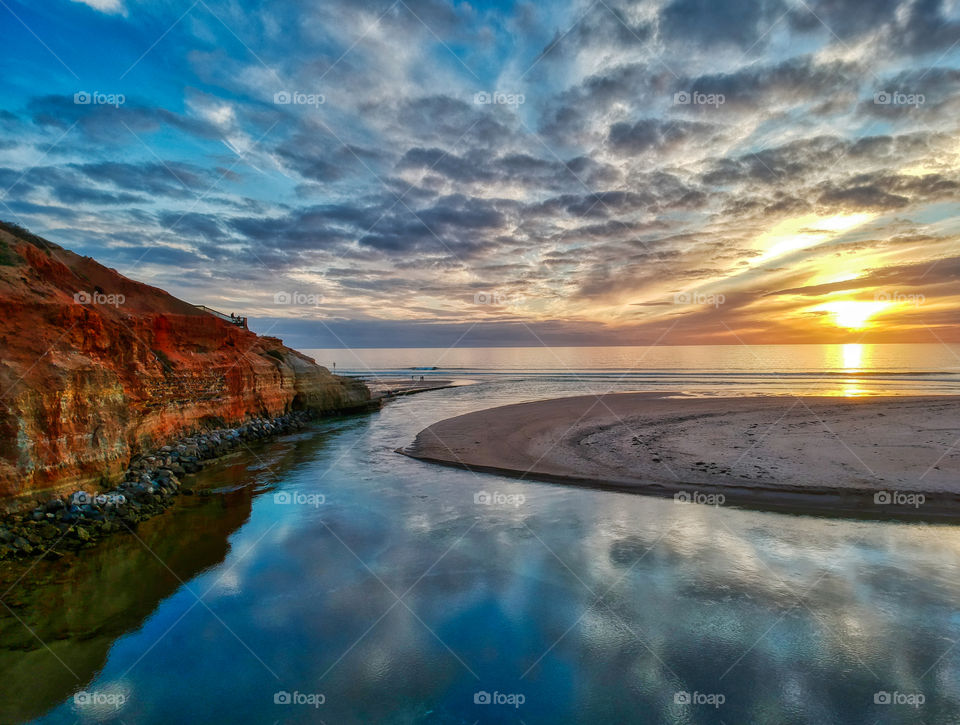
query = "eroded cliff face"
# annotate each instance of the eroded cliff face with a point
(95, 367)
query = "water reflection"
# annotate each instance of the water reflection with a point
(852, 357)
(78, 611)
(400, 598)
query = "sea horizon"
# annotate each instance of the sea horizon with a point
(845, 370)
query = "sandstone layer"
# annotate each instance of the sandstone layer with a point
(96, 367)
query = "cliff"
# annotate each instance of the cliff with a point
(95, 367)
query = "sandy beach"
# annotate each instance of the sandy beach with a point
(891, 457)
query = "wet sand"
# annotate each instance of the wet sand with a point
(886, 457)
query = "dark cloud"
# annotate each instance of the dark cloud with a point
(104, 123)
(64, 184)
(901, 26)
(918, 277)
(649, 134)
(193, 224)
(456, 122)
(174, 179)
(740, 23)
(791, 81)
(83, 195)
(845, 18)
(608, 24)
(870, 197)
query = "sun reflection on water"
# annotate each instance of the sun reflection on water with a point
(852, 363)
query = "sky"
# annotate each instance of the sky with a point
(368, 173)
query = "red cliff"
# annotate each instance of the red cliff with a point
(95, 367)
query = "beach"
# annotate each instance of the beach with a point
(894, 457)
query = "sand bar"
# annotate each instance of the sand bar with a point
(394, 387)
(896, 457)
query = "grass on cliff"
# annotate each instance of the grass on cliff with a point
(27, 236)
(8, 258)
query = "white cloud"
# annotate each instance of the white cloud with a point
(105, 6)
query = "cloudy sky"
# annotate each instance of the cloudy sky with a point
(376, 173)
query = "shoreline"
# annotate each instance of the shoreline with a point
(52, 524)
(871, 457)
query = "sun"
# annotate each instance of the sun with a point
(852, 314)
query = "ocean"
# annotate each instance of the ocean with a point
(845, 370)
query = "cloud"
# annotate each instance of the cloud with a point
(741, 23)
(105, 6)
(649, 134)
(403, 194)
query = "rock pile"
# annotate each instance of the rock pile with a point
(150, 484)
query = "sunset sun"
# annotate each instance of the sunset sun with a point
(853, 314)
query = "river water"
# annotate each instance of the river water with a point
(330, 579)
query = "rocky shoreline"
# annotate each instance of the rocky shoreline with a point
(151, 484)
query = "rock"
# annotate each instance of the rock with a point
(54, 505)
(151, 482)
(22, 545)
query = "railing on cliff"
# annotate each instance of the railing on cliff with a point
(231, 318)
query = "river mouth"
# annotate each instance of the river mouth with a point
(327, 565)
